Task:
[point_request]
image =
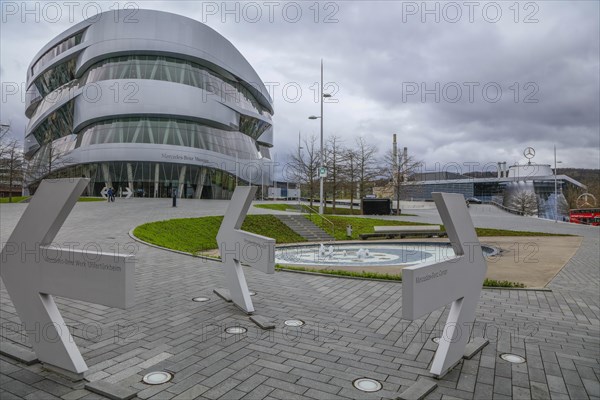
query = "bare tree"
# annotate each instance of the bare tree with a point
(11, 166)
(334, 162)
(524, 201)
(350, 173)
(365, 161)
(305, 165)
(396, 168)
(11, 161)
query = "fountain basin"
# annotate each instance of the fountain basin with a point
(372, 254)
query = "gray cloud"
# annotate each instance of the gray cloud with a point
(375, 49)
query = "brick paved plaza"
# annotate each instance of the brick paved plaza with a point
(353, 327)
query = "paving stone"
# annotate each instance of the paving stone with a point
(556, 384)
(112, 391)
(558, 331)
(502, 386)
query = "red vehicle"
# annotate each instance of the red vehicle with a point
(586, 216)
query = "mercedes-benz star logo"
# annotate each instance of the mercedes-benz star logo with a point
(529, 153)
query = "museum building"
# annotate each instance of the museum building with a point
(149, 103)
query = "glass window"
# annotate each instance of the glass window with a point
(56, 50)
(173, 70)
(173, 132)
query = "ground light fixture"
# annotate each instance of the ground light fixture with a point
(512, 358)
(157, 377)
(294, 322)
(252, 293)
(200, 299)
(367, 384)
(436, 340)
(236, 330)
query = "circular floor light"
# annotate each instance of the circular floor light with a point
(512, 358)
(157, 377)
(294, 322)
(200, 299)
(252, 293)
(436, 340)
(236, 330)
(367, 384)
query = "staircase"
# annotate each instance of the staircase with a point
(305, 228)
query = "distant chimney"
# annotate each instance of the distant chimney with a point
(500, 170)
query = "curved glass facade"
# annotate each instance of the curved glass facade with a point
(174, 70)
(146, 179)
(56, 125)
(169, 131)
(57, 50)
(174, 138)
(56, 77)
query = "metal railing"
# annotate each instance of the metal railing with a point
(312, 211)
(510, 210)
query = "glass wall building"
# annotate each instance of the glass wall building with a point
(158, 106)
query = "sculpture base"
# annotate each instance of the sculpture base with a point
(262, 322)
(72, 376)
(418, 390)
(224, 294)
(19, 353)
(475, 347)
(472, 348)
(111, 390)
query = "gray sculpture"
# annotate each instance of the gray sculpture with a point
(33, 271)
(458, 280)
(237, 247)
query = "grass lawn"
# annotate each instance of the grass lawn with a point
(15, 199)
(328, 210)
(359, 225)
(18, 199)
(366, 225)
(195, 235)
(390, 277)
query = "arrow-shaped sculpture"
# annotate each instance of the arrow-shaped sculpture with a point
(237, 247)
(33, 271)
(458, 280)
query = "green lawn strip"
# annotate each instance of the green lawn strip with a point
(366, 225)
(327, 211)
(508, 284)
(505, 232)
(15, 199)
(390, 277)
(195, 235)
(359, 225)
(18, 199)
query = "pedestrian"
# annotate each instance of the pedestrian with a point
(112, 195)
(108, 194)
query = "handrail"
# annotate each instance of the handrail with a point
(502, 207)
(314, 211)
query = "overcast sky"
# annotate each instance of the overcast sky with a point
(459, 82)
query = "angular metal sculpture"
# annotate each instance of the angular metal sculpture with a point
(237, 247)
(458, 280)
(33, 270)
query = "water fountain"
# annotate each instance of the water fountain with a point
(367, 255)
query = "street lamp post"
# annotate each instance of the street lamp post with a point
(299, 187)
(555, 186)
(321, 160)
